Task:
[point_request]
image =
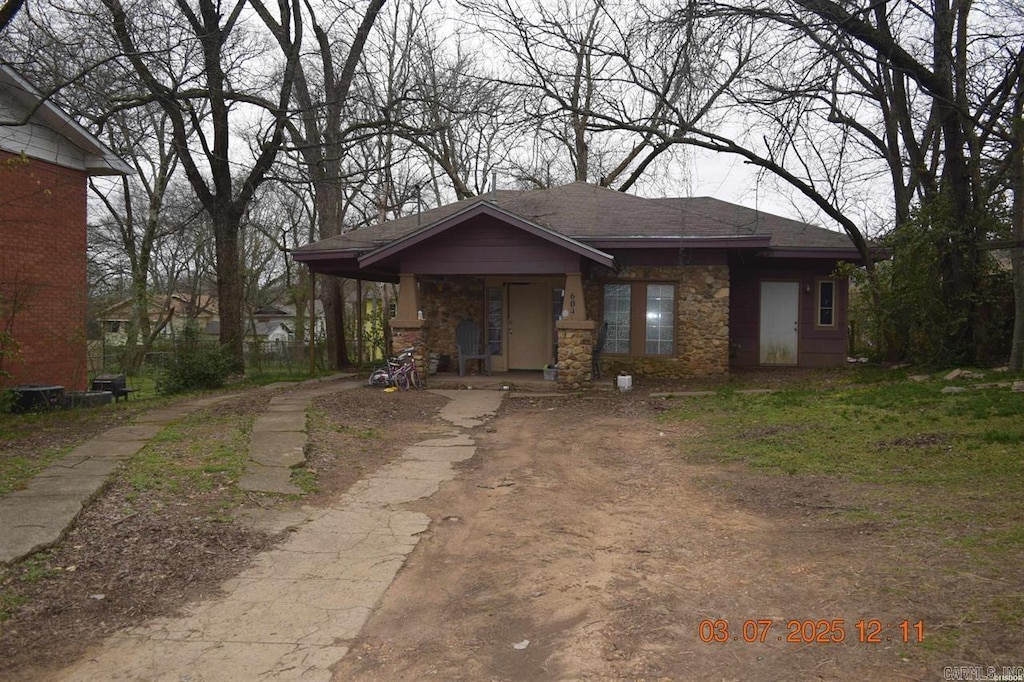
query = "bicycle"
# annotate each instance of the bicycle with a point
(399, 371)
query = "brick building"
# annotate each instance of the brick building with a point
(45, 161)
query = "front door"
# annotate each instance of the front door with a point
(779, 322)
(529, 325)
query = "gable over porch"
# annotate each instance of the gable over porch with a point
(520, 282)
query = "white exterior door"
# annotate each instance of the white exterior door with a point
(780, 321)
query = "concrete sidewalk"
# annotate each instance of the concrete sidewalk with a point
(38, 516)
(277, 442)
(293, 614)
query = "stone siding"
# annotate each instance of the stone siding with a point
(575, 350)
(417, 337)
(702, 320)
(446, 300)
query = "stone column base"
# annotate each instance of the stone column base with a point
(575, 352)
(406, 333)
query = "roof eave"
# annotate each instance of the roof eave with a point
(830, 253)
(679, 241)
(99, 159)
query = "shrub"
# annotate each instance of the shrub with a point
(194, 365)
(8, 399)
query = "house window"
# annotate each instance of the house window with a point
(617, 315)
(495, 317)
(392, 310)
(661, 319)
(641, 318)
(826, 303)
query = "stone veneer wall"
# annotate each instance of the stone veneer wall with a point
(702, 320)
(575, 350)
(446, 300)
(403, 337)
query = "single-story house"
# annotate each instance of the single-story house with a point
(275, 331)
(681, 287)
(172, 312)
(46, 158)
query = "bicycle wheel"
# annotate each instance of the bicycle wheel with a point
(415, 378)
(402, 380)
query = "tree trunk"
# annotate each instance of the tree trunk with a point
(328, 201)
(229, 287)
(1017, 254)
(334, 321)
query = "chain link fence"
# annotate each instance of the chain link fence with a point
(262, 359)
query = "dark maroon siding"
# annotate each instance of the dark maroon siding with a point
(818, 346)
(485, 246)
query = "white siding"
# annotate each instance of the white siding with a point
(34, 140)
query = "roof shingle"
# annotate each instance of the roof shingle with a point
(589, 212)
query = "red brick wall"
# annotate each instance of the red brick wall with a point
(42, 265)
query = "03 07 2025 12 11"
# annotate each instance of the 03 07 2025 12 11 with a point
(811, 631)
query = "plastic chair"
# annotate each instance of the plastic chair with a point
(467, 339)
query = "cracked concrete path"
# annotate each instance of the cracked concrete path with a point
(293, 614)
(277, 442)
(38, 516)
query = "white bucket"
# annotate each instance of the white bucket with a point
(624, 383)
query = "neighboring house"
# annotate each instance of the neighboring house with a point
(46, 159)
(273, 332)
(687, 287)
(275, 323)
(378, 306)
(173, 312)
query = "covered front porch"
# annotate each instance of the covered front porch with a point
(527, 323)
(520, 283)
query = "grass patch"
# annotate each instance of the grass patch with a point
(943, 641)
(28, 572)
(305, 479)
(900, 433)
(938, 476)
(1009, 610)
(31, 442)
(194, 456)
(16, 471)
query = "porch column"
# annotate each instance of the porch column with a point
(407, 329)
(408, 298)
(573, 307)
(575, 337)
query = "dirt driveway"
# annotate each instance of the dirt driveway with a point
(580, 544)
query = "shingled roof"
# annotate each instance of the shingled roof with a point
(589, 213)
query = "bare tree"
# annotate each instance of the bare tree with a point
(206, 102)
(458, 118)
(609, 87)
(1016, 159)
(319, 131)
(136, 221)
(845, 94)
